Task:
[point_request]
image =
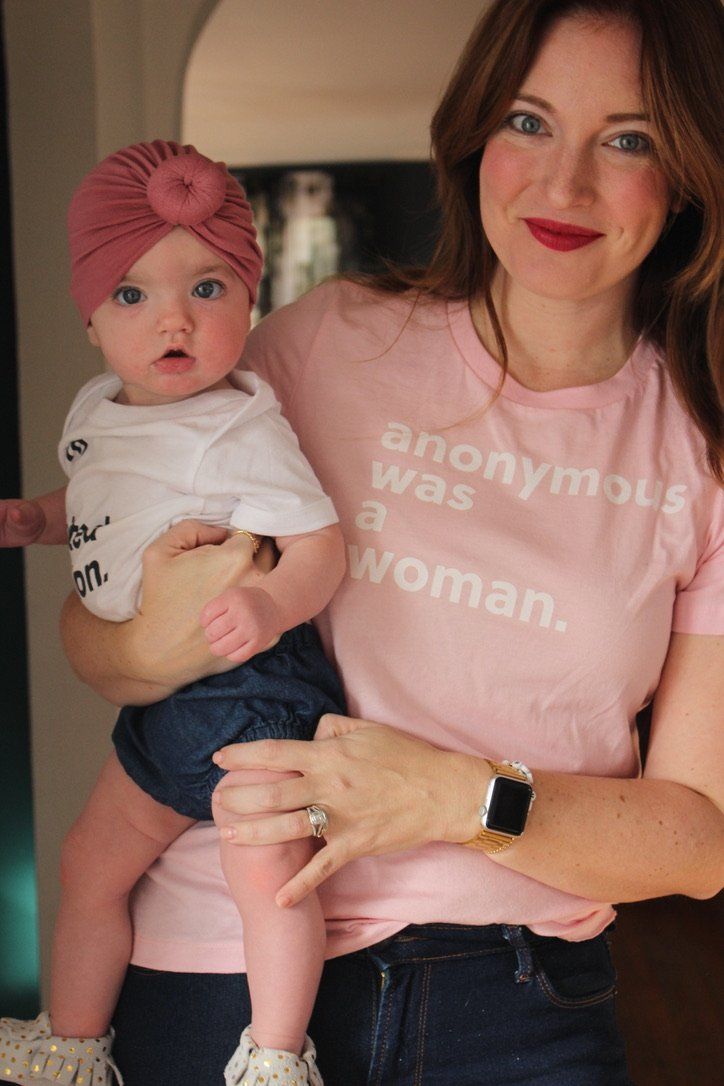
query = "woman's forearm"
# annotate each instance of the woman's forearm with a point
(98, 652)
(620, 840)
(623, 840)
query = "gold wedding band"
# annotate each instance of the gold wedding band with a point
(255, 539)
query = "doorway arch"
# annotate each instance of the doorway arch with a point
(269, 82)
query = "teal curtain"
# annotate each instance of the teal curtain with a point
(18, 898)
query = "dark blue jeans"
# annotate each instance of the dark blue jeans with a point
(435, 1005)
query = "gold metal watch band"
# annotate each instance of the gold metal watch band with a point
(489, 841)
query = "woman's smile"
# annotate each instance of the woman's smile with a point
(561, 236)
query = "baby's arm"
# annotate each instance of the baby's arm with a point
(243, 621)
(37, 520)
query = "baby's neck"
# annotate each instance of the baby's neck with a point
(134, 396)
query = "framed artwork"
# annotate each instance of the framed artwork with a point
(316, 220)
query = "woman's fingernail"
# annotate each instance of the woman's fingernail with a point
(229, 833)
(218, 757)
(283, 901)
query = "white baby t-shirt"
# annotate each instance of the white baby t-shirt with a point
(226, 457)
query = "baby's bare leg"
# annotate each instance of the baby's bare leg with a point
(284, 948)
(117, 837)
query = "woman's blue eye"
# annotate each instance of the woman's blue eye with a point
(208, 288)
(527, 123)
(632, 143)
(128, 296)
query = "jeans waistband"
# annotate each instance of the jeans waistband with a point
(429, 942)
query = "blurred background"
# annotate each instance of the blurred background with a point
(321, 108)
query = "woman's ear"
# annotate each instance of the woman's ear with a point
(678, 203)
(92, 336)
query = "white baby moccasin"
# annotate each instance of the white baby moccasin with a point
(31, 1052)
(253, 1066)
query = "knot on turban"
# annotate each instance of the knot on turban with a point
(137, 196)
(186, 190)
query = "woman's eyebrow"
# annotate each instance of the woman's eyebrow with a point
(612, 118)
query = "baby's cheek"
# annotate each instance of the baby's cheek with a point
(229, 342)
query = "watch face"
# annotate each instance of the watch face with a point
(508, 806)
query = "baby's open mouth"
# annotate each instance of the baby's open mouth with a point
(175, 361)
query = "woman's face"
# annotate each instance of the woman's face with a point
(571, 197)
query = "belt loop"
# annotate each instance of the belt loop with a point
(516, 937)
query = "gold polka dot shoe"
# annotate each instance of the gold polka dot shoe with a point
(252, 1066)
(30, 1052)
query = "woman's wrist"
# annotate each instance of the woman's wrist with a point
(145, 657)
(467, 777)
(125, 662)
(97, 652)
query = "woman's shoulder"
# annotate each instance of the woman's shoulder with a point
(657, 385)
(352, 301)
(337, 320)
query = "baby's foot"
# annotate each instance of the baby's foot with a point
(254, 1066)
(31, 1052)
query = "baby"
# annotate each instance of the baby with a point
(165, 268)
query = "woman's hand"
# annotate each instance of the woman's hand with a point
(381, 790)
(183, 569)
(164, 646)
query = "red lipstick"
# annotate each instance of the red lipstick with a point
(561, 236)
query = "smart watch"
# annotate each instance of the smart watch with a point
(504, 813)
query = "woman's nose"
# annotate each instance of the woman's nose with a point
(570, 180)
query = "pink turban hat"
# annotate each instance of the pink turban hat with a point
(135, 197)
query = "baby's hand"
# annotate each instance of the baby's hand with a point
(21, 522)
(241, 622)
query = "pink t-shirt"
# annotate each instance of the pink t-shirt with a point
(514, 575)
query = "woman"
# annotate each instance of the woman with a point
(524, 444)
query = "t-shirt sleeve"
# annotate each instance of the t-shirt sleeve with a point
(261, 463)
(699, 606)
(278, 347)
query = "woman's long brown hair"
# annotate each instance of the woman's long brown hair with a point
(678, 301)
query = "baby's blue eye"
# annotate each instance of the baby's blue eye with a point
(208, 288)
(527, 123)
(128, 296)
(632, 143)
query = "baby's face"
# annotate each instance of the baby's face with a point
(176, 323)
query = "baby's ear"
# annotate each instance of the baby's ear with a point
(92, 336)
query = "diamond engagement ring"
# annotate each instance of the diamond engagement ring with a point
(317, 820)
